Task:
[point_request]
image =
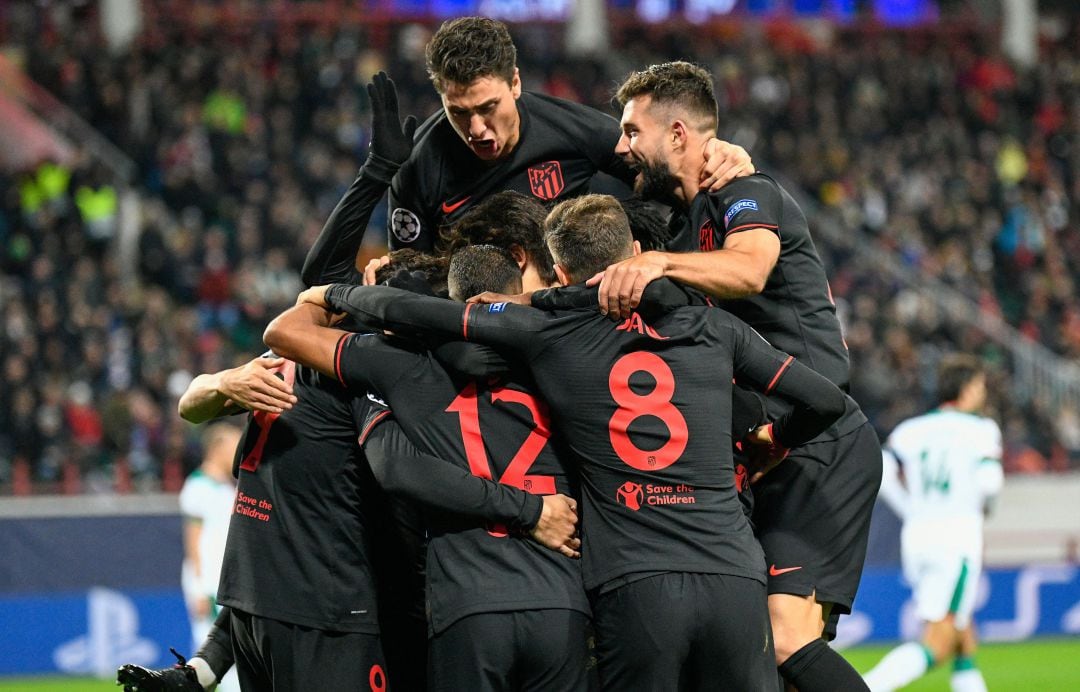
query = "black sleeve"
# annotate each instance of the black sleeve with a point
(409, 224)
(332, 259)
(401, 468)
(660, 296)
(217, 648)
(512, 327)
(748, 411)
(817, 402)
(371, 361)
(566, 298)
(474, 360)
(746, 203)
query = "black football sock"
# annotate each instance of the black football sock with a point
(817, 668)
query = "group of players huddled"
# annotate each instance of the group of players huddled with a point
(598, 449)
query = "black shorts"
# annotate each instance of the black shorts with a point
(812, 517)
(523, 650)
(685, 631)
(274, 655)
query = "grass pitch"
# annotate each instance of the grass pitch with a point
(1046, 665)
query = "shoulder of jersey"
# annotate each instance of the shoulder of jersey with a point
(743, 185)
(544, 106)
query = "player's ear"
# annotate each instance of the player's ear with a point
(561, 275)
(515, 84)
(518, 253)
(679, 134)
(637, 247)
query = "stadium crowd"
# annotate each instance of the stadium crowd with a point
(942, 153)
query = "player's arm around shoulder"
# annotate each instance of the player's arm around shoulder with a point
(303, 334)
(253, 386)
(744, 229)
(744, 220)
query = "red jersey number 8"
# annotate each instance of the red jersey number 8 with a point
(656, 403)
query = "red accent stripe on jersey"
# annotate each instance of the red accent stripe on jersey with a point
(371, 426)
(748, 226)
(776, 377)
(337, 357)
(465, 321)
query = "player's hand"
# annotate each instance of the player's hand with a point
(724, 162)
(490, 297)
(622, 284)
(557, 528)
(390, 138)
(316, 295)
(372, 267)
(763, 452)
(256, 387)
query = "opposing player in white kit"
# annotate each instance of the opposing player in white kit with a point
(206, 503)
(950, 459)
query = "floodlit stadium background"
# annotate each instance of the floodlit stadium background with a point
(166, 165)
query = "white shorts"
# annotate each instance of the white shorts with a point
(943, 584)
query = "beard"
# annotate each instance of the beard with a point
(657, 181)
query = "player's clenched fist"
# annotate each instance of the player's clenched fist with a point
(557, 528)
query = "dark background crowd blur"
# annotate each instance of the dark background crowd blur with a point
(925, 146)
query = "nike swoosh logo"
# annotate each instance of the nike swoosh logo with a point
(451, 208)
(773, 572)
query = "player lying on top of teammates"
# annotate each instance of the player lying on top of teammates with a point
(493, 136)
(645, 407)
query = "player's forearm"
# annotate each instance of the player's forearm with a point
(443, 486)
(192, 533)
(399, 311)
(724, 274)
(216, 649)
(203, 399)
(295, 335)
(818, 403)
(332, 259)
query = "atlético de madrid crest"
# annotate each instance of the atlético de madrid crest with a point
(546, 179)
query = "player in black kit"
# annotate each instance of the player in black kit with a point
(749, 246)
(492, 136)
(504, 614)
(676, 576)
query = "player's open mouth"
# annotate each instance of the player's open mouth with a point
(484, 146)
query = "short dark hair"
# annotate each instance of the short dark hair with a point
(955, 372)
(677, 83)
(433, 266)
(478, 268)
(647, 223)
(466, 49)
(586, 234)
(506, 219)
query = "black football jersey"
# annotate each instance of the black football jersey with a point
(561, 148)
(795, 312)
(499, 430)
(297, 544)
(645, 408)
